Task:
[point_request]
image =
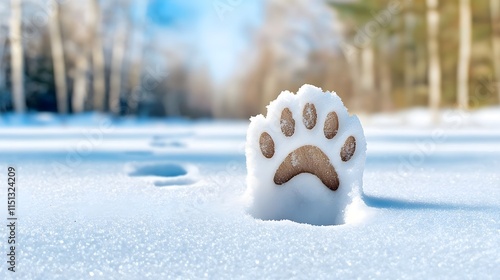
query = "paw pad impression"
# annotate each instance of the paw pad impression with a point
(305, 133)
(308, 158)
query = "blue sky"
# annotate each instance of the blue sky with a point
(169, 13)
(218, 28)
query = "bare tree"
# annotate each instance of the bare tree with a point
(410, 23)
(17, 57)
(4, 35)
(200, 86)
(495, 22)
(80, 83)
(385, 75)
(80, 38)
(118, 53)
(434, 72)
(58, 59)
(2, 64)
(368, 75)
(99, 82)
(135, 70)
(352, 56)
(465, 31)
(116, 70)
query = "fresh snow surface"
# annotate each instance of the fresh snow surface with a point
(304, 198)
(162, 199)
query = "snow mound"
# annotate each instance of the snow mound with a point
(305, 159)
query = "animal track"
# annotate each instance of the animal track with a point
(164, 174)
(305, 158)
(308, 158)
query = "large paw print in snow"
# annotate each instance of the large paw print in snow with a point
(308, 158)
(305, 160)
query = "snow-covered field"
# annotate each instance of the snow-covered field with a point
(163, 199)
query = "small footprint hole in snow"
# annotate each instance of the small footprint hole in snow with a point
(167, 144)
(165, 174)
(159, 170)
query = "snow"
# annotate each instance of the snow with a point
(430, 216)
(304, 198)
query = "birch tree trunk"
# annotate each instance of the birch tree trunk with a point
(352, 56)
(434, 72)
(3, 39)
(385, 74)
(17, 57)
(99, 83)
(81, 61)
(495, 22)
(80, 84)
(465, 30)
(409, 53)
(4, 36)
(116, 69)
(368, 77)
(135, 84)
(136, 69)
(367, 71)
(58, 59)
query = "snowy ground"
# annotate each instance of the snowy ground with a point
(129, 200)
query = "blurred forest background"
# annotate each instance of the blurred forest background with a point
(230, 58)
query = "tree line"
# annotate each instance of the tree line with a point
(438, 53)
(76, 56)
(377, 55)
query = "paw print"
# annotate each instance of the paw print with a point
(308, 158)
(305, 159)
